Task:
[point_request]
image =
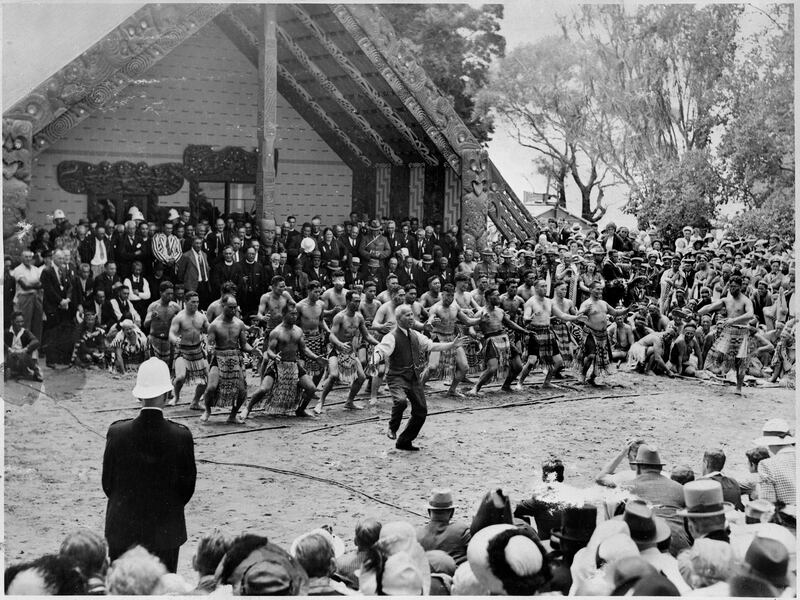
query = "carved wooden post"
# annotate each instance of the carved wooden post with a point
(267, 114)
(474, 198)
(17, 155)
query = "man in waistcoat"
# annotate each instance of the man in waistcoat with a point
(404, 351)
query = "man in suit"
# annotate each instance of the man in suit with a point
(129, 249)
(215, 240)
(58, 309)
(394, 238)
(193, 272)
(440, 533)
(82, 285)
(96, 250)
(417, 248)
(352, 241)
(661, 492)
(226, 270)
(149, 473)
(408, 272)
(713, 463)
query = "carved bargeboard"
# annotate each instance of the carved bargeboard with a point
(17, 140)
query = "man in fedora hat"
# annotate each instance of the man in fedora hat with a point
(577, 525)
(777, 476)
(705, 510)
(440, 533)
(148, 473)
(768, 560)
(648, 531)
(660, 492)
(375, 244)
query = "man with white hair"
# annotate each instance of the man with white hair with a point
(149, 473)
(777, 476)
(404, 351)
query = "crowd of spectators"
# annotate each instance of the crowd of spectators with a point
(646, 530)
(83, 291)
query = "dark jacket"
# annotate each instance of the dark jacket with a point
(54, 291)
(126, 253)
(223, 273)
(148, 476)
(87, 247)
(452, 538)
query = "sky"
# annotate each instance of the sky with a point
(40, 37)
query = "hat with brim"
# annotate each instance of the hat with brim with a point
(152, 378)
(440, 500)
(173, 215)
(648, 456)
(598, 250)
(427, 259)
(768, 559)
(703, 498)
(645, 527)
(507, 254)
(308, 245)
(374, 225)
(775, 433)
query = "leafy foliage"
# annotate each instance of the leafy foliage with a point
(456, 44)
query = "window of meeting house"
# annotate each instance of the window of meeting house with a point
(222, 197)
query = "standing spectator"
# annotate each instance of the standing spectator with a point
(193, 272)
(28, 296)
(253, 282)
(58, 311)
(149, 473)
(82, 286)
(139, 290)
(130, 248)
(374, 245)
(226, 270)
(167, 249)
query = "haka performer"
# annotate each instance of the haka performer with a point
(284, 375)
(315, 329)
(190, 362)
(542, 341)
(343, 363)
(227, 339)
(500, 356)
(594, 353)
(452, 362)
(733, 347)
(159, 318)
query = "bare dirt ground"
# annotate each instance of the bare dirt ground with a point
(282, 476)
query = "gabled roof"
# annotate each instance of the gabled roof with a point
(342, 67)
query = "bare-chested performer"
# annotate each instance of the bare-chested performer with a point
(215, 308)
(227, 339)
(478, 295)
(419, 312)
(285, 345)
(451, 363)
(343, 363)
(335, 297)
(369, 308)
(463, 298)
(190, 362)
(526, 290)
(431, 297)
(501, 357)
(543, 346)
(647, 354)
(159, 318)
(567, 334)
(270, 308)
(595, 352)
(382, 324)
(315, 329)
(731, 350)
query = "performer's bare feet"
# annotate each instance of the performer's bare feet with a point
(205, 416)
(519, 388)
(195, 406)
(243, 415)
(475, 393)
(455, 394)
(319, 409)
(373, 401)
(172, 402)
(350, 405)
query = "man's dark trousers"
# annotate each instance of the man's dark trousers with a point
(404, 390)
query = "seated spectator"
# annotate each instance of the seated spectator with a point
(705, 510)
(682, 474)
(90, 347)
(135, 573)
(685, 356)
(620, 334)
(20, 345)
(440, 533)
(509, 560)
(397, 537)
(767, 559)
(314, 552)
(609, 478)
(777, 474)
(577, 525)
(627, 572)
(48, 575)
(210, 551)
(443, 567)
(255, 567)
(172, 584)
(707, 566)
(749, 481)
(129, 344)
(89, 552)
(367, 533)
(713, 463)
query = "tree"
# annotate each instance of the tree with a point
(757, 147)
(542, 92)
(455, 44)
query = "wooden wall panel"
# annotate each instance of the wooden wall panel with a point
(383, 185)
